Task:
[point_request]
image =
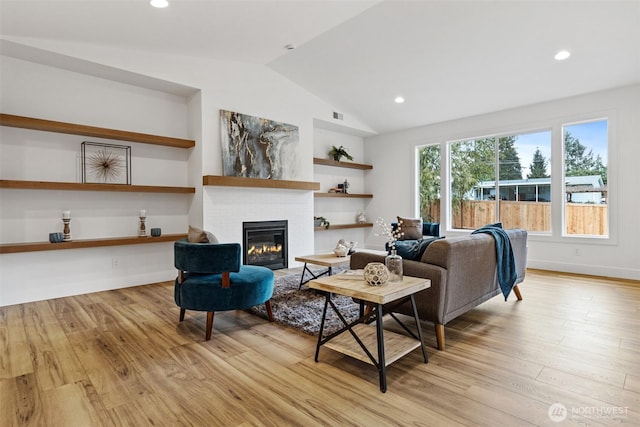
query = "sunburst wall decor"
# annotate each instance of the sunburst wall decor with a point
(106, 163)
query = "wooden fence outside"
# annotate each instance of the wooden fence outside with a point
(581, 219)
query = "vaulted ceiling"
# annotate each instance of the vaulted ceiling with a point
(448, 59)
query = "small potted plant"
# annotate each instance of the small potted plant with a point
(320, 221)
(339, 152)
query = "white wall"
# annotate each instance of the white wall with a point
(41, 91)
(56, 93)
(339, 211)
(619, 256)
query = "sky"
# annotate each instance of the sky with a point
(526, 146)
(592, 135)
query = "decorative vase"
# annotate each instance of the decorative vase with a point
(393, 262)
(376, 274)
(56, 237)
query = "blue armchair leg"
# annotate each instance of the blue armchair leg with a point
(269, 312)
(182, 310)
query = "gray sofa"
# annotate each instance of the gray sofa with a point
(462, 272)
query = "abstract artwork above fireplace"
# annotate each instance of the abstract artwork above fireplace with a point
(253, 147)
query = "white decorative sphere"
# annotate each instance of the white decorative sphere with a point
(376, 274)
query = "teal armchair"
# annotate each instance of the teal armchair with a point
(212, 278)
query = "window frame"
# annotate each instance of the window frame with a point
(555, 125)
(496, 161)
(610, 198)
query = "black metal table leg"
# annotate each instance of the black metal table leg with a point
(382, 368)
(304, 270)
(419, 328)
(324, 316)
(313, 276)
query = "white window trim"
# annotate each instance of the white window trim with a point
(557, 169)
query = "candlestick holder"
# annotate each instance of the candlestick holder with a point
(66, 231)
(142, 230)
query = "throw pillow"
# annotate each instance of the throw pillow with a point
(197, 235)
(411, 228)
(431, 229)
(413, 251)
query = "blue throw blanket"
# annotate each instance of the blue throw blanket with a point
(505, 261)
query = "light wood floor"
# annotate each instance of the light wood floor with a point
(121, 358)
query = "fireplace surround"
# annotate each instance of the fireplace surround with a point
(265, 243)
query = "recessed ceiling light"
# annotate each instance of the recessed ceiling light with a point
(159, 3)
(399, 100)
(563, 54)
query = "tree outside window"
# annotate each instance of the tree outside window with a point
(586, 177)
(508, 179)
(490, 184)
(429, 188)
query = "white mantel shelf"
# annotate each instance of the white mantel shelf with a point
(236, 181)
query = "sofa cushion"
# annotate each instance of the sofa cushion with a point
(411, 228)
(197, 235)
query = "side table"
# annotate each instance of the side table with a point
(363, 335)
(325, 260)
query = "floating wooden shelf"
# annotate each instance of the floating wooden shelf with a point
(74, 129)
(342, 195)
(75, 186)
(343, 226)
(12, 248)
(329, 162)
(235, 181)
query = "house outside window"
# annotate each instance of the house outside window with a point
(520, 197)
(508, 179)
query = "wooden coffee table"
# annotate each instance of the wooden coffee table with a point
(325, 260)
(364, 335)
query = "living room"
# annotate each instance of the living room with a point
(171, 94)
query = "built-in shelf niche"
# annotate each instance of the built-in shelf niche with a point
(78, 129)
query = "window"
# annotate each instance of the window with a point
(501, 179)
(585, 147)
(508, 178)
(429, 182)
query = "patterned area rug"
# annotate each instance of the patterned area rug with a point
(302, 309)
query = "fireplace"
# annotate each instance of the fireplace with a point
(265, 244)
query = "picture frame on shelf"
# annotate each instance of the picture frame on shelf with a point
(106, 163)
